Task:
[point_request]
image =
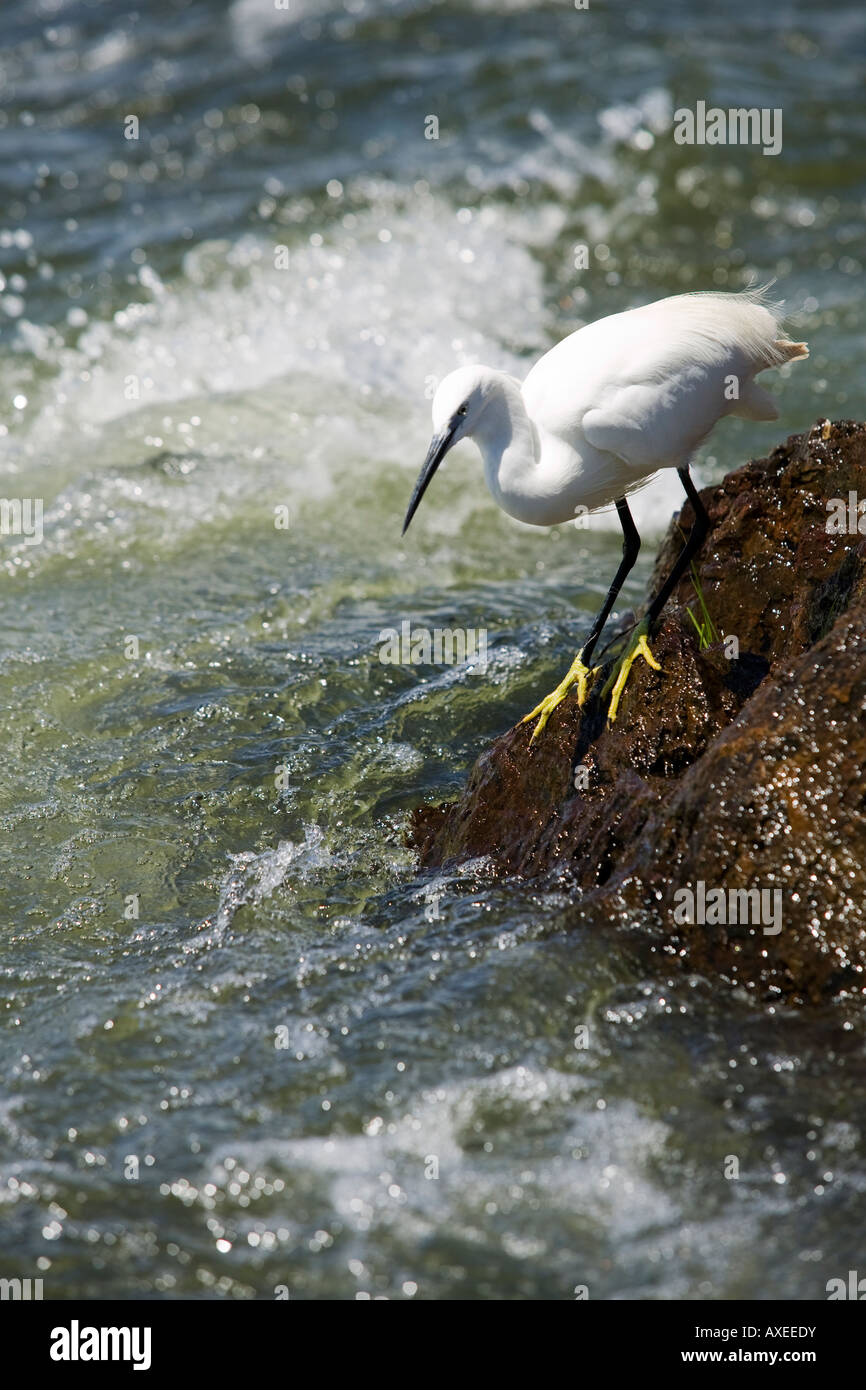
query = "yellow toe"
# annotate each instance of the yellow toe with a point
(578, 674)
(639, 647)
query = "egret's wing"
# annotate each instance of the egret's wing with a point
(654, 424)
(647, 386)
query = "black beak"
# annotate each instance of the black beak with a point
(439, 446)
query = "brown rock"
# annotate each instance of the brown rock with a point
(738, 774)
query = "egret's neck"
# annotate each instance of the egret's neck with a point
(509, 446)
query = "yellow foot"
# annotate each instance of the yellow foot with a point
(578, 675)
(638, 646)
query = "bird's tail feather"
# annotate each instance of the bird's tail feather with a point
(775, 352)
(791, 351)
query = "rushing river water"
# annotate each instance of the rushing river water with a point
(244, 1043)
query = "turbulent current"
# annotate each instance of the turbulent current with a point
(246, 1046)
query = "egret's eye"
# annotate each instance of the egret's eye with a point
(462, 410)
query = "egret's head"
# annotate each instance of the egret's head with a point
(457, 407)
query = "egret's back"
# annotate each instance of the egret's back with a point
(648, 385)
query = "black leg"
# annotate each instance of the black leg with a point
(691, 547)
(630, 549)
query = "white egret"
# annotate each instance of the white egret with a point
(602, 412)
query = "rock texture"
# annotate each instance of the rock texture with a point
(733, 772)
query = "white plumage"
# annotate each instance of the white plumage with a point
(613, 403)
(597, 416)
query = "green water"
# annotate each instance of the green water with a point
(245, 1044)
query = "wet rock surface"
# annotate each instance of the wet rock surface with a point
(737, 767)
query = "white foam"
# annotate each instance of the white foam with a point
(254, 877)
(380, 306)
(344, 347)
(379, 1175)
